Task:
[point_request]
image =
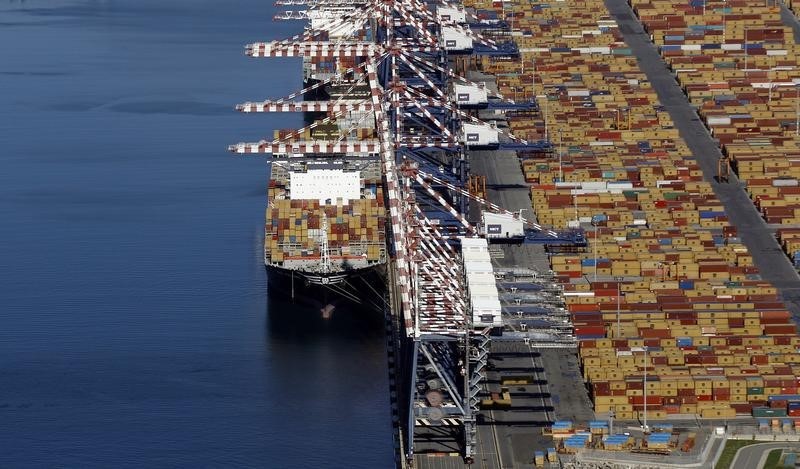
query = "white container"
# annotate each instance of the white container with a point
(784, 182)
(502, 225)
(480, 279)
(448, 15)
(577, 92)
(468, 95)
(719, 120)
(478, 267)
(455, 40)
(480, 135)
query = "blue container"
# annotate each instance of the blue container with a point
(686, 284)
(711, 214)
(684, 341)
(784, 397)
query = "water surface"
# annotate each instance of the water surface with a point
(135, 329)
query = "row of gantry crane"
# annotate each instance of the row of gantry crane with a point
(392, 64)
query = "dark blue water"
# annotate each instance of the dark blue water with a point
(135, 330)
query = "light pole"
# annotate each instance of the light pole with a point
(544, 96)
(575, 201)
(594, 243)
(619, 293)
(628, 119)
(724, 7)
(745, 50)
(797, 108)
(644, 426)
(611, 416)
(560, 168)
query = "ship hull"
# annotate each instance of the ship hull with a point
(317, 94)
(327, 292)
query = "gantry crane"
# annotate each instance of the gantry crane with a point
(398, 53)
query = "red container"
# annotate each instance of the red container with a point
(590, 331)
(743, 408)
(788, 329)
(759, 360)
(651, 400)
(601, 387)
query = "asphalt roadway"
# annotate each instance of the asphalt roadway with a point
(753, 456)
(768, 256)
(556, 391)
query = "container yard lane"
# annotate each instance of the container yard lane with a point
(789, 19)
(768, 256)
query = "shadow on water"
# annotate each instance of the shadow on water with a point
(302, 319)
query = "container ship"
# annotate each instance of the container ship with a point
(325, 220)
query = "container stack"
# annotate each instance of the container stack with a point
(598, 428)
(738, 64)
(658, 441)
(576, 442)
(538, 458)
(355, 229)
(562, 428)
(617, 442)
(483, 298)
(790, 241)
(665, 275)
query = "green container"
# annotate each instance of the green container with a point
(755, 390)
(767, 412)
(673, 195)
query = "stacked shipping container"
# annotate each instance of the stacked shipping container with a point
(664, 270)
(738, 64)
(355, 229)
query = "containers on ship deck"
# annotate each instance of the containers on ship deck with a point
(356, 230)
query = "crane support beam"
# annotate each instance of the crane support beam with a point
(306, 106)
(312, 49)
(308, 146)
